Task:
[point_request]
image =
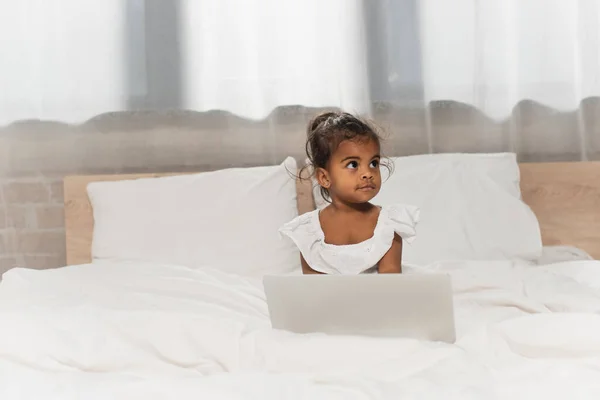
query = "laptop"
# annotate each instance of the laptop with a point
(415, 306)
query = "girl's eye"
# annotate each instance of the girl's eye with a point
(374, 163)
(352, 165)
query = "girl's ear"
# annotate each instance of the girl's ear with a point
(323, 178)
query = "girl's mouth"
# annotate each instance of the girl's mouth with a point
(367, 188)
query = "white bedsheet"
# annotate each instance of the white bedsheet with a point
(142, 331)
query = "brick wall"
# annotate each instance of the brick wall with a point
(35, 156)
(31, 223)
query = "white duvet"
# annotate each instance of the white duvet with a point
(127, 331)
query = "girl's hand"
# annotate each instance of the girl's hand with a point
(391, 263)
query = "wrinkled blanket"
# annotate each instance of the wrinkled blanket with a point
(145, 331)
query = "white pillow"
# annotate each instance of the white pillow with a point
(471, 207)
(227, 219)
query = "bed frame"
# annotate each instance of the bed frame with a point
(564, 196)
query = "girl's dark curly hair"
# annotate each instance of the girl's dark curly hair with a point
(325, 133)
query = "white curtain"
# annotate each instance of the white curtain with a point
(61, 60)
(492, 54)
(249, 57)
(70, 60)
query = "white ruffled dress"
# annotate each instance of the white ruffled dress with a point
(306, 232)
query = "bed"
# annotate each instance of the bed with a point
(126, 329)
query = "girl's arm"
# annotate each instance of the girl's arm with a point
(391, 263)
(306, 269)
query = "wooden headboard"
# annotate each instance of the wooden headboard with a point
(564, 196)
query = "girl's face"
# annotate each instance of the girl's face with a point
(352, 174)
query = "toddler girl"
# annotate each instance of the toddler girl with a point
(350, 235)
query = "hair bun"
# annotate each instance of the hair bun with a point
(321, 119)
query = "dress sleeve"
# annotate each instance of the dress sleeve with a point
(403, 219)
(300, 231)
